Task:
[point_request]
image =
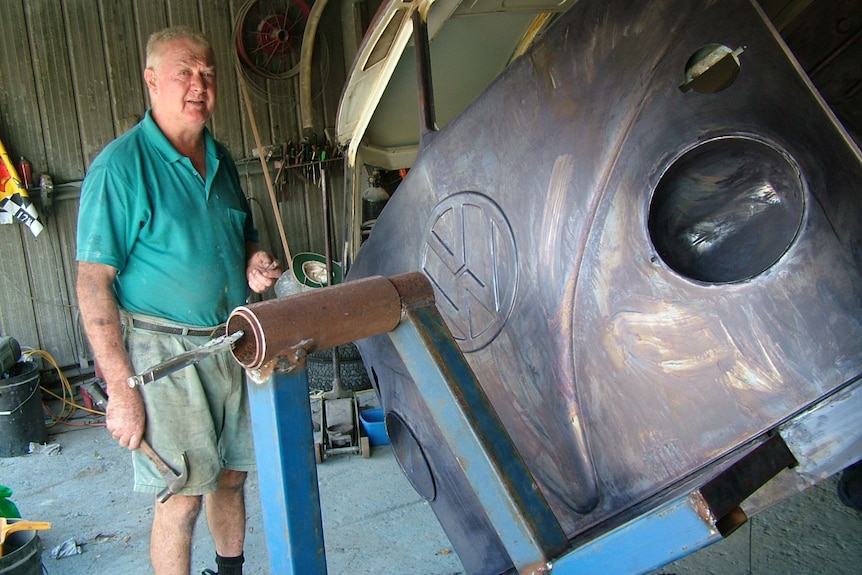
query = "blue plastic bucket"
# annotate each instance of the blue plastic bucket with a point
(374, 426)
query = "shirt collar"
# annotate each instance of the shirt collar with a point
(164, 146)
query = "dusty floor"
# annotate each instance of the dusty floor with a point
(373, 520)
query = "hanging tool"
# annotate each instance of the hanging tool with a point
(14, 199)
(337, 391)
(341, 431)
(178, 362)
(175, 481)
(19, 525)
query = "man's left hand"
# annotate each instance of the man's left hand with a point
(262, 271)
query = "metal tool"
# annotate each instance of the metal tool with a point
(175, 481)
(176, 363)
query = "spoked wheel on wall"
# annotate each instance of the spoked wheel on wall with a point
(268, 36)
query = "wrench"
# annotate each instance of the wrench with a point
(175, 481)
(186, 359)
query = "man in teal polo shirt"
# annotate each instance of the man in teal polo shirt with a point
(166, 250)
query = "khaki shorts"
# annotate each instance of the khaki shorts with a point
(201, 410)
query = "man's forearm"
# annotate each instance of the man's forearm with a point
(102, 324)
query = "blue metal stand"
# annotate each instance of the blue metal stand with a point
(284, 448)
(474, 433)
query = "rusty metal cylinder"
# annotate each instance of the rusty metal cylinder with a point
(319, 319)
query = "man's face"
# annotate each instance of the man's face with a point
(183, 84)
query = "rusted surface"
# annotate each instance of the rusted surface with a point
(701, 507)
(414, 289)
(314, 320)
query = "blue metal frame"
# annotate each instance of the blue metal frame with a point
(520, 515)
(287, 472)
(526, 526)
(657, 538)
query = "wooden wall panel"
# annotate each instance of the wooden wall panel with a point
(17, 313)
(21, 122)
(90, 79)
(150, 16)
(124, 60)
(184, 13)
(227, 121)
(54, 90)
(50, 288)
(21, 133)
(61, 139)
(66, 215)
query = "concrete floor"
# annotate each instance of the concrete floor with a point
(373, 520)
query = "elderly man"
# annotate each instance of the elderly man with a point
(166, 249)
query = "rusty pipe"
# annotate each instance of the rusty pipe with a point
(288, 328)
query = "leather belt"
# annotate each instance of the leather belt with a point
(217, 331)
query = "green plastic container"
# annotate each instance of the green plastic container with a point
(7, 508)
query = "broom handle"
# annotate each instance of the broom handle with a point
(265, 171)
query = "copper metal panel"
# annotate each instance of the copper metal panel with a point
(643, 278)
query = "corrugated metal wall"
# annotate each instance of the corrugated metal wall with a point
(71, 81)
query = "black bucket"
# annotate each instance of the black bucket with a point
(21, 416)
(22, 554)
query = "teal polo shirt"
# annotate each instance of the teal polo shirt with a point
(177, 241)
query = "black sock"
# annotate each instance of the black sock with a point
(230, 565)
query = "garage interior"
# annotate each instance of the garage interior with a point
(70, 82)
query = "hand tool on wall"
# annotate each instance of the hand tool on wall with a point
(174, 481)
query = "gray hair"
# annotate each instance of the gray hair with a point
(157, 39)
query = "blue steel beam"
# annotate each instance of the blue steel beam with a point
(287, 472)
(509, 495)
(665, 534)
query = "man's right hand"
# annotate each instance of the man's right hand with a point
(126, 417)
